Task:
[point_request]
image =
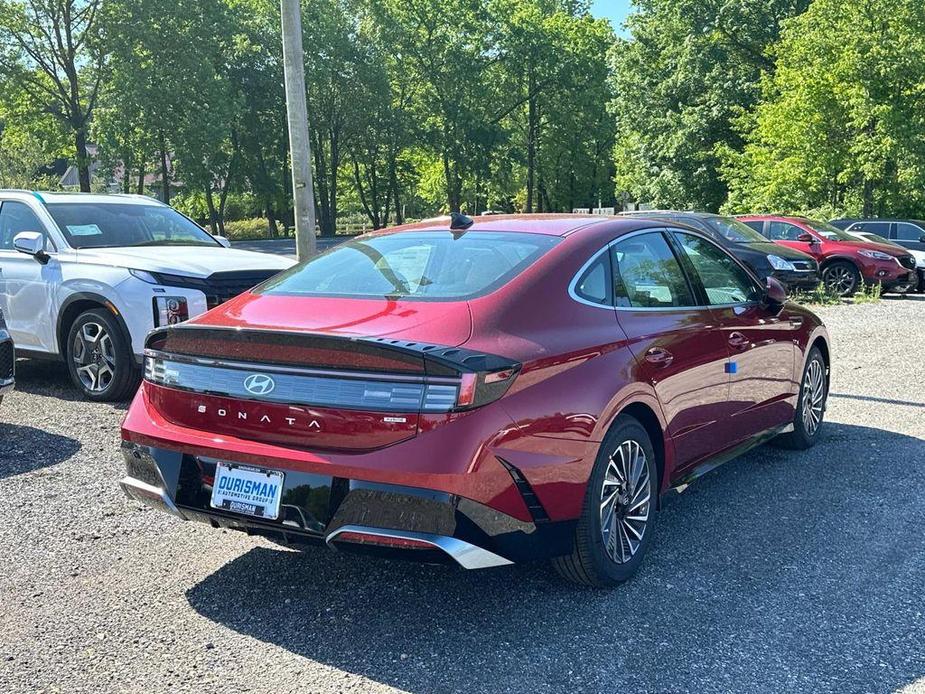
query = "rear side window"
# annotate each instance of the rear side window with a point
(756, 225)
(908, 232)
(431, 265)
(595, 283)
(722, 278)
(647, 274)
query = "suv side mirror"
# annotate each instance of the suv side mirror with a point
(775, 295)
(223, 240)
(31, 243)
(806, 238)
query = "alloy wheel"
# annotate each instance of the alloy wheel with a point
(840, 280)
(94, 357)
(625, 502)
(813, 397)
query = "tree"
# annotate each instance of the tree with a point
(840, 128)
(690, 69)
(54, 52)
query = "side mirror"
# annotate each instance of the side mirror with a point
(31, 243)
(775, 295)
(223, 240)
(806, 238)
(921, 239)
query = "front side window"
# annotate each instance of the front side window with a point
(784, 231)
(722, 278)
(16, 217)
(430, 265)
(908, 232)
(647, 274)
(108, 225)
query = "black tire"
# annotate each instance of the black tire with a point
(803, 435)
(842, 277)
(103, 371)
(590, 562)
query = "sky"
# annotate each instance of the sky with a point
(614, 10)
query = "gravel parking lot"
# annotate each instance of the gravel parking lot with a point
(779, 572)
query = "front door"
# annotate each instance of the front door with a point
(760, 343)
(26, 285)
(679, 346)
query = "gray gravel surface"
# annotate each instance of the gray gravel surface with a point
(780, 572)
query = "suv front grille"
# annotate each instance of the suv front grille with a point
(6, 361)
(218, 287)
(907, 261)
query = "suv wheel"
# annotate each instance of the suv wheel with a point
(842, 278)
(807, 420)
(616, 524)
(99, 359)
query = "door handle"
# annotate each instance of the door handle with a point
(660, 356)
(738, 341)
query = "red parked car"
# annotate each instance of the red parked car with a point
(844, 260)
(489, 392)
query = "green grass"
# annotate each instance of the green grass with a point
(821, 296)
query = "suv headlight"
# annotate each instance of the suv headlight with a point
(779, 263)
(144, 276)
(876, 255)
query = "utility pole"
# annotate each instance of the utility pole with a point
(303, 191)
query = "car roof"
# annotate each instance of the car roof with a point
(672, 213)
(547, 224)
(51, 197)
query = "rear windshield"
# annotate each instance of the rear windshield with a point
(432, 265)
(113, 224)
(829, 232)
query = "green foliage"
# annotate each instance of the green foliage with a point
(819, 296)
(841, 123)
(868, 294)
(247, 229)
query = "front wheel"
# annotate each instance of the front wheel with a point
(841, 278)
(814, 391)
(616, 524)
(99, 358)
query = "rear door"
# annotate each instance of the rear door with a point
(678, 344)
(760, 343)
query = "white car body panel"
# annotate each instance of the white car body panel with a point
(32, 294)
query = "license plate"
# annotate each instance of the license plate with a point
(247, 490)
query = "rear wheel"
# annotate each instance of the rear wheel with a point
(99, 358)
(841, 278)
(807, 420)
(616, 524)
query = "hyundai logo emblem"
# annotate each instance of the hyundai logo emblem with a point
(259, 384)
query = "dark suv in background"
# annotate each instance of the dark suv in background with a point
(908, 233)
(794, 269)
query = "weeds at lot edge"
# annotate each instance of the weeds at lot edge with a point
(822, 296)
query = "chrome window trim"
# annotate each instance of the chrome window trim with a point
(658, 309)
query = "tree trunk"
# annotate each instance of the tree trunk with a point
(868, 205)
(83, 159)
(165, 173)
(271, 219)
(140, 190)
(127, 173)
(531, 138)
(213, 215)
(396, 195)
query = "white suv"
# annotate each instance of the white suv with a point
(85, 277)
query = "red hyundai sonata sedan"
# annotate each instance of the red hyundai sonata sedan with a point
(508, 390)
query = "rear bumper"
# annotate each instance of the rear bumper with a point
(350, 514)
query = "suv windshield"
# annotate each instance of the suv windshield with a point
(734, 230)
(113, 224)
(830, 232)
(416, 265)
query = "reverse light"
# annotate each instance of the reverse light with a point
(876, 255)
(170, 310)
(779, 263)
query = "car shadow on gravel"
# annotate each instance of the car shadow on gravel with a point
(50, 379)
(24, 449)
(783, 571)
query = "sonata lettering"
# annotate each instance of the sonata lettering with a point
(293, 422)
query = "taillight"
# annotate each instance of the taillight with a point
(170, 310)
(481, 388)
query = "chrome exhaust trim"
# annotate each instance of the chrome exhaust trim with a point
(467, 555)
(152, 496)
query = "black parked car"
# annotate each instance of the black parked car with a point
(7, 359)
(794, 269)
